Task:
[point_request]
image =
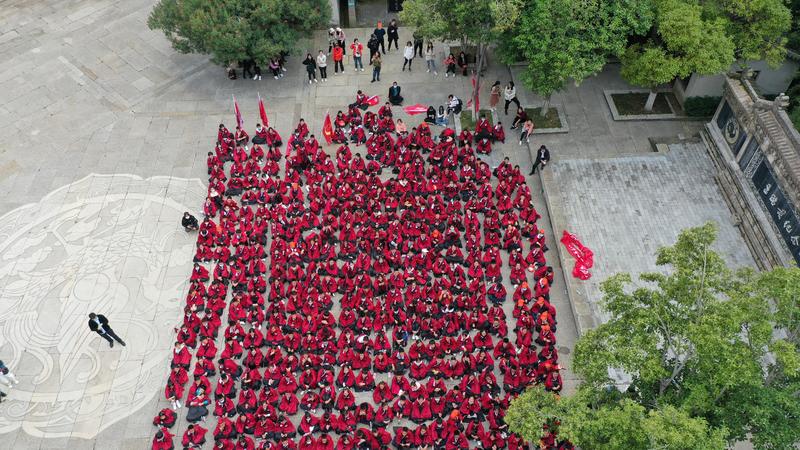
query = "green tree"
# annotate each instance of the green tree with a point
(713, 350)
(609, 422)
(234, 30)
(562, 40)
(477, 22)
(758, 28)
(683, 41)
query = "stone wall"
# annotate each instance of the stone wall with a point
(750, 141)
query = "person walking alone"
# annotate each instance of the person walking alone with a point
(510, 94)
(542, 157)
(99, 324)
(430, 58)
(376, 67)
(393, 35)
(322, 63)
(311, 68)
(338, 59)
(357, 51)
(408, 55)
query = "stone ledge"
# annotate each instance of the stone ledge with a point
(576, 293)
(562, 117)
(619, 117)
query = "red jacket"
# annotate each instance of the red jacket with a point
(194, 436)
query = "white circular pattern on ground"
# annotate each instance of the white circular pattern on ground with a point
(106, 243)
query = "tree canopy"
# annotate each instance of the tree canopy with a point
(473, 21)
(234, 30)
(706, 38)
(562, 40)
(712, 354)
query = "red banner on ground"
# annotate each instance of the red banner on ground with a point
(419, 108)
(374, 100)
(584, 257)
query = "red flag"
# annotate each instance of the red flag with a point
(239, 121)
(327, 129)
(415, 109)
(262, 112)
(374, 100)
(584, 257)
(477, 95)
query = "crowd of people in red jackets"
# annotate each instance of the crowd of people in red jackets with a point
(358, 302)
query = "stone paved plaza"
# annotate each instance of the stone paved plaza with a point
(107, 130)
(625, 208)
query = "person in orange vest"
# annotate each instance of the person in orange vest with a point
(338, 57)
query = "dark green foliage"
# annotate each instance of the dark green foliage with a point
(235, 30)
(701, 106)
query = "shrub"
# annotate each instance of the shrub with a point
(701, 106)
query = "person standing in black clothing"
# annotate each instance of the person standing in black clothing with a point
(380, 34)
(99, 324)
(417, 43)
(394, 35)
(247, 65)
(542, 157)
(372, 45)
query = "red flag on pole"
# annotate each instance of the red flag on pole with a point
(239, 121)
(374, 100)
(477, 91)
(262, 112)
(327, 129)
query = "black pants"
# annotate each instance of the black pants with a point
(513, 100)
(535, 165)
(393, 39)
(407, 61)
(418, 46)
(341, 44)
(110, 334)
(338, 65)
(312, 74)
(371, 54)
(381, 44)
(323, 72)
(246, 72)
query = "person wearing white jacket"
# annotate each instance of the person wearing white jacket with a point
(408, 54)
(510, 94)
(322, 64)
